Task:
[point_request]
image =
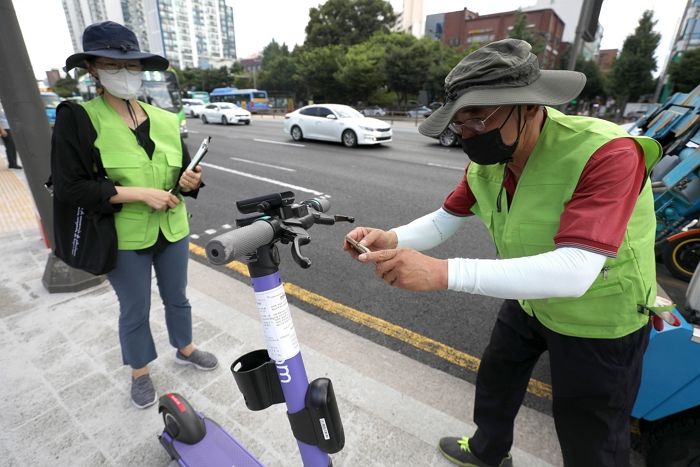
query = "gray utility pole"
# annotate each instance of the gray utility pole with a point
(30, 129)
(584, 19)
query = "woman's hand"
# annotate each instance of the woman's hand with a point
(191, 179)
(158, 199)
(155, 198)
(374, 239)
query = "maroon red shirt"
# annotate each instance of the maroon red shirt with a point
(596, 217)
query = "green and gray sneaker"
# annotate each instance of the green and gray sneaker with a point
(456, 450)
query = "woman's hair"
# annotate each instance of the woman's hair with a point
(90, 61)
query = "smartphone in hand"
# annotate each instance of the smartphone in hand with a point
(199, 155)
(357, 246)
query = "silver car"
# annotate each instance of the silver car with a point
(373, 111)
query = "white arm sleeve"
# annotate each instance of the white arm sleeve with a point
(564, 272)
(428, 231)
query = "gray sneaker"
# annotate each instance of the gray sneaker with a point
(143, 394)
(199, 358)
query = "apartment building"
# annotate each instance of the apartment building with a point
(190, 33)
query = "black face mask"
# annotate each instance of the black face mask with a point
(488, 148)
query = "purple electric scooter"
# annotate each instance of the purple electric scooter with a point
(268, 376)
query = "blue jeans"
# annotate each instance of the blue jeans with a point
(131, 280)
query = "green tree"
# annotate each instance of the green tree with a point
(630, 76)
(685, 72)
(361, 71)
(523, 32)
(66, 87)
(316, 68)
(595, 82)
(347, 22)
(408, 64)
(278, 69)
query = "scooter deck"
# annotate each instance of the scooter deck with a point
(216, 449)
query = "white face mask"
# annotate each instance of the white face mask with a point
(122, 84)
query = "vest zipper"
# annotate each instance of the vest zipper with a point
(604, 271)
(500, 191)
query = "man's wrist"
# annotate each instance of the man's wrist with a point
(443, 278)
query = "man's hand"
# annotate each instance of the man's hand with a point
(374, 239)
(191, 179)
(3, 133)
(663, 314)
(408, 269)
(159, 199)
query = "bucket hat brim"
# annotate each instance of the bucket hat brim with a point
(553, 87)
(150, 62)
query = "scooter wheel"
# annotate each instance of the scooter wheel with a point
(682, 255)
(675, 441)
(181, 421)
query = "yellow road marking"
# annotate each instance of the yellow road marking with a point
(426, 344)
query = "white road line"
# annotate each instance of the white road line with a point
(262, 179)
(446, 166)
(210, 231)
(279, 142)
(194, 236)
(262, 164)
(226, 226)
(194, 132)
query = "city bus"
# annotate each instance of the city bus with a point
(201, 95)
(160, 89)
(253, 100)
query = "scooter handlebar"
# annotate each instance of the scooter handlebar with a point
(239, 242)
(319, 204)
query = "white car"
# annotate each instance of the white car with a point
(224, 113)
(336, 122)
(373, 111)
(193, 107)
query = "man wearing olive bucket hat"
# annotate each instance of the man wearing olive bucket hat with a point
(143, 157)
(568, 203)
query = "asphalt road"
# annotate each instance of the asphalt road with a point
(382, 187)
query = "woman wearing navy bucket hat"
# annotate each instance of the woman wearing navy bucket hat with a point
(143, 157)
(567, 201)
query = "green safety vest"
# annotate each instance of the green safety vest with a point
(127, 164)
(615, 304)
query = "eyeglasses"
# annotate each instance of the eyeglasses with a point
(114, 67)
(475, 125)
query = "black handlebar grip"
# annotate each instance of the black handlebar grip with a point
(239, 242)
(319, 204)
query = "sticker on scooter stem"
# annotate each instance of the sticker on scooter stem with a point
(278, 328)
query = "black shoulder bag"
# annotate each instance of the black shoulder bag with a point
(85, 240)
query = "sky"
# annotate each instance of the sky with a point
(257, 22)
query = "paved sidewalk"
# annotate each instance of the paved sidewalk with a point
(66, 393)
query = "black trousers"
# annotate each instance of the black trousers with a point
(10, 149)
(594, 386)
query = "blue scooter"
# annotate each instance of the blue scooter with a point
(668, 403)
(268, 376)
(676, 180)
